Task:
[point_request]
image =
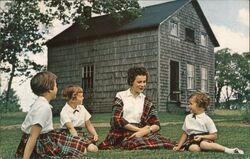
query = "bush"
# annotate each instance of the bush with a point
(12, 105)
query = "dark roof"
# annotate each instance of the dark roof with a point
(150, 17)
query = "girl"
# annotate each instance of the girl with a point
(74, 116)
(39, 139)
(134, 122)
(199, 131)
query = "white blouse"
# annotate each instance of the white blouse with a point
(78, 118)
(39, 113)
(201, 123)
(132, 106)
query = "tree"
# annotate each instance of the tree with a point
(222, 68)
(232, 70)
(24, 24)
(241, 67)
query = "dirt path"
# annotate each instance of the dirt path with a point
(107, 125)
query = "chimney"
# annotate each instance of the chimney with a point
(87, 12)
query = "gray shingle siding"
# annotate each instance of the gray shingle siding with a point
(154, 48)
(111, 57)
(177, 49)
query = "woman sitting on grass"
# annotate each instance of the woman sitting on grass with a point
(199, 131)
(74, 116)
(134, 122)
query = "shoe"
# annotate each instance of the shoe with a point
(238, 151)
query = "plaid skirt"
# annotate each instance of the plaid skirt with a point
(190, 141)
(81, 134)
(55, 145)
(118, 138)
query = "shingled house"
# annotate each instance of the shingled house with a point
(172, 40)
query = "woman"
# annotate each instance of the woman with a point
(134, 122)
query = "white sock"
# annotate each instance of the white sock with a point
(228, 150)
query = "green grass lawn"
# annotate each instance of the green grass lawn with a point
(231, 134)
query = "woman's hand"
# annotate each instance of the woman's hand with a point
(142, 131)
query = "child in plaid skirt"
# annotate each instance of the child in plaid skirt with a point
(134, 122)
(199, 131)
(39, 139)
(74, 116)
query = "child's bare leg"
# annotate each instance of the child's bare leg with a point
(194, 148)
(204, 145)
(92, 148)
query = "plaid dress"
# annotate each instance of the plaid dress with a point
(54, 145)
(81, 133)
(117, 136)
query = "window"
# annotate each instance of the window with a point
(190, 76)
(189, 35)
(204, 81)
(87, 77)
(87, 85)
(173, 28)
(203, 39)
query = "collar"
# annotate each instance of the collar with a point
(129, 94)
(70, 108)
(198, 115)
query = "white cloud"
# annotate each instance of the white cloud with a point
(227, 38)
(243, 17)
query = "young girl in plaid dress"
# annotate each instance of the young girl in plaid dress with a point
(134, 122)
(199, 131)
(74, 116)
(39, 139)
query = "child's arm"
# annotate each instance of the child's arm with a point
(212, 136)
(71, 128)
(181, 141)
(91, 129)
(34, 133)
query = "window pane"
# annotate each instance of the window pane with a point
(190, 76)
(189, 35)
(174, 28)
(203, 39)
(204, 81)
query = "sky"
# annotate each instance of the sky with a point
(229, 20)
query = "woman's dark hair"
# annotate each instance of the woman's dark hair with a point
(43, 82)
(202, 99)
(135, 71)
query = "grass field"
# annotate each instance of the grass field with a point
(232, 133)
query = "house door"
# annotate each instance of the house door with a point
(174, 81)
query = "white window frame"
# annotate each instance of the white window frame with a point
(204, 39)
(204, 79)
(174, 29)
(190, 76)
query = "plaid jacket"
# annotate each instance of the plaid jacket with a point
(117, 136)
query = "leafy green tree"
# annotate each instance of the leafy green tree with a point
(241, 68)
(23, 25)
(232, 70)
(222, 68)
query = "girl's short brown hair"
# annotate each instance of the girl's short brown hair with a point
(135, 71)
(202, 99)
(70, 92)
(43, 82)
